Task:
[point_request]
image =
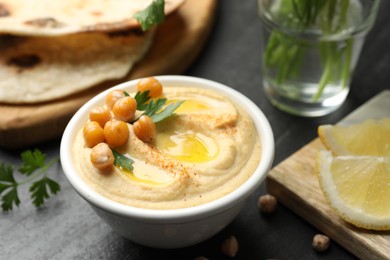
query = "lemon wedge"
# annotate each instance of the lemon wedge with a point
(354, 174)
(357, 187)
(371, 137)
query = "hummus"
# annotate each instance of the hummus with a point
(206, 150)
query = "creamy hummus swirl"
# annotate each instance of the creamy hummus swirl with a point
(206, 150)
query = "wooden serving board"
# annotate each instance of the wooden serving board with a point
(295, 185)
(179, 40)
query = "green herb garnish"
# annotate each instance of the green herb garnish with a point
(166, 112)
(284, 53)
(142, 98)
(122, 162)
(151, 15)
(155, 108)
(33, 167)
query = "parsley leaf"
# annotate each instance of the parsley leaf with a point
(33, 166)
(6, 173)
(154, 106)
(166, 112)
(32, 161)
(10, 198)
(39, 190)
(142, 98)
(122, 162)
(4, 186)
(7, 182)
(151, 15)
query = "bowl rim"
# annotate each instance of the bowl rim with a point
(182, 214)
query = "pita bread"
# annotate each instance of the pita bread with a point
(36, 69)
(60, 17)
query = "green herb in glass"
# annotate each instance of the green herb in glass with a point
(284, 52)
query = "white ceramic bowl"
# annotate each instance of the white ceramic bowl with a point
(179, 227)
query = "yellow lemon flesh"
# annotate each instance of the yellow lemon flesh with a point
(371, 137)
(357, 187)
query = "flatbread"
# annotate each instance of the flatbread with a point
(36, 69)
(60, 17)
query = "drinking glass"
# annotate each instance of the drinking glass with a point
(310, 49)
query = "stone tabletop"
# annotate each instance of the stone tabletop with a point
(67, 228)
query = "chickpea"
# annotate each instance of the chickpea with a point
(153, 85)
(100, 114)
(113, 97)
(145, 129)
(116, 133)
(93, 134)
(267, 203)
(320, 242)
(230, 246)
(102, 156)
(124, 108)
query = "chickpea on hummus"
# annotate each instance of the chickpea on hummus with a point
(205, 150)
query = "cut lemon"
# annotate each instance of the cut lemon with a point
(357, 187)
(371, 137)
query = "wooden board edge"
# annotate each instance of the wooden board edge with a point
(334, 227)
(290, 199)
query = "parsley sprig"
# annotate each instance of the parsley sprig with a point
(156, 109)
(151, 15)
(33, 167)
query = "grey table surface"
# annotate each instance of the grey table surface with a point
(67, 228)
